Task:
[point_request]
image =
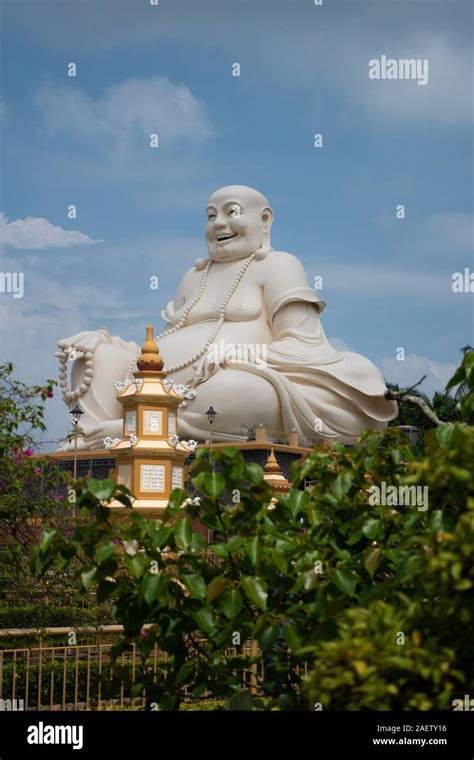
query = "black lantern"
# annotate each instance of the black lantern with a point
(211, 415)
(76, 414)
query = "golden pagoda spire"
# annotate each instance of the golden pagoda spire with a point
(272, 464)
(274, 476)
(150, 359)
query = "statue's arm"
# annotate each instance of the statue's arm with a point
(291, 305)
(179, 300)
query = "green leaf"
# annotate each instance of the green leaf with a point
(290, 634)
(198, 542)
(123, 499)
(46, 540)
(104, 551)
(214, 483)
(150, 587)
(234, 543)
(396, 456)
(297, 501)
(370, 528)
(238, 702)
(205, 620)
(101, 489)
(215, 588)
(177, 496)
(435, 521)
(254, 473)
(444, 434)
(457, 378)
(345, 580)
(354, 538)
(229, 452)
(138, 564)
(279, 560)
(255, 590)
(88, 577)
(372, 560)
(185, 671)
(183, 532)
(267, 638)
(162, 537)
(341, 485)
(252, 547)
(231, 603)
(196, 585)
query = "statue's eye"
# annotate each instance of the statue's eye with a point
(234, 211)
(210, 217)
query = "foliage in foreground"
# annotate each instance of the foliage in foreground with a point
(324, 577)
(377, 598)
(32, 492)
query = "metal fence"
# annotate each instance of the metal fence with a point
(69, 677)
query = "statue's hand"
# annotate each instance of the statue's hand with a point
(94, 436)
(85, 341)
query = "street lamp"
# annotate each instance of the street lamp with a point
(211, 416)
(75, 415)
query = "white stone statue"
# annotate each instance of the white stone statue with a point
(243, 335)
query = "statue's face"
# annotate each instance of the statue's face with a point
(238, 223)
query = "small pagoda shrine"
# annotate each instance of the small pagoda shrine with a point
(273, 475)
(150, 458)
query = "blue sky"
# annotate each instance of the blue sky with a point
(304, 69)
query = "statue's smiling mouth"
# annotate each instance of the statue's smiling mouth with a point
(224, 238)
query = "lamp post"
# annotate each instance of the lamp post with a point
(211, 416)
(75, 415)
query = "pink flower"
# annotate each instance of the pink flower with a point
(50, 394)
(37, 471)
(28, 452)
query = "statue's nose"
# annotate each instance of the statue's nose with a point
(219, 225)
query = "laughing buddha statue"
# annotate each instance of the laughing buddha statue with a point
(243, 335)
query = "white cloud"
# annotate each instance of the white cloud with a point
(305, 39)
(36, 233)
(120, 120)
(443, 99)
(406, 373)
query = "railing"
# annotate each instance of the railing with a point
(69, 677)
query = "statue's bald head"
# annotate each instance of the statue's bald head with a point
(239, 222)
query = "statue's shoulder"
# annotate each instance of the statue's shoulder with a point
(282, 261)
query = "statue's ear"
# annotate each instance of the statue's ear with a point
(267, 218)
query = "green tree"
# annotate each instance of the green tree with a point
(296, 574)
